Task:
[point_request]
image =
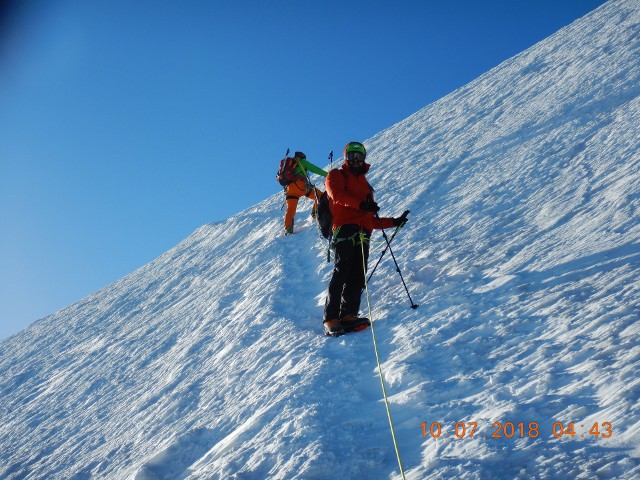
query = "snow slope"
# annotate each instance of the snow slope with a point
(523, 251)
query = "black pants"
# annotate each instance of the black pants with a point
(347, 282)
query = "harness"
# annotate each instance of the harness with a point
(304, 177)
(358, 237)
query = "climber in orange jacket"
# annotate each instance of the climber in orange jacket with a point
(354, 213)
(301, 187)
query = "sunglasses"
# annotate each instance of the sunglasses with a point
(356, 157)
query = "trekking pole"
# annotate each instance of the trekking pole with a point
(404, 215)
(413, 305)
(330, 239)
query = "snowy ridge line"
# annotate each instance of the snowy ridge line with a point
(521, 249)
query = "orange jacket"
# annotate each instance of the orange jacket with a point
(346, 192)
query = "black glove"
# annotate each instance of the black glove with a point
(400, 221)
(370, 206)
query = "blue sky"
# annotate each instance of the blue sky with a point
(125, 125)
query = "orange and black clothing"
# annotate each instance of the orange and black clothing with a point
(347, 191)
(301, 187)
(348, 195)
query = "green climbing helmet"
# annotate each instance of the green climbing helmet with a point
(355, 151)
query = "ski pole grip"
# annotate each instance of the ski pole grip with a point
(404, 214)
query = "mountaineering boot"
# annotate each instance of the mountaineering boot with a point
(288, 231)
(333, 328)
(351, 322)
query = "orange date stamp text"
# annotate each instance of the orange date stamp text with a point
(499, 430)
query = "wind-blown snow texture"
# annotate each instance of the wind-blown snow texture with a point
(523, 251)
